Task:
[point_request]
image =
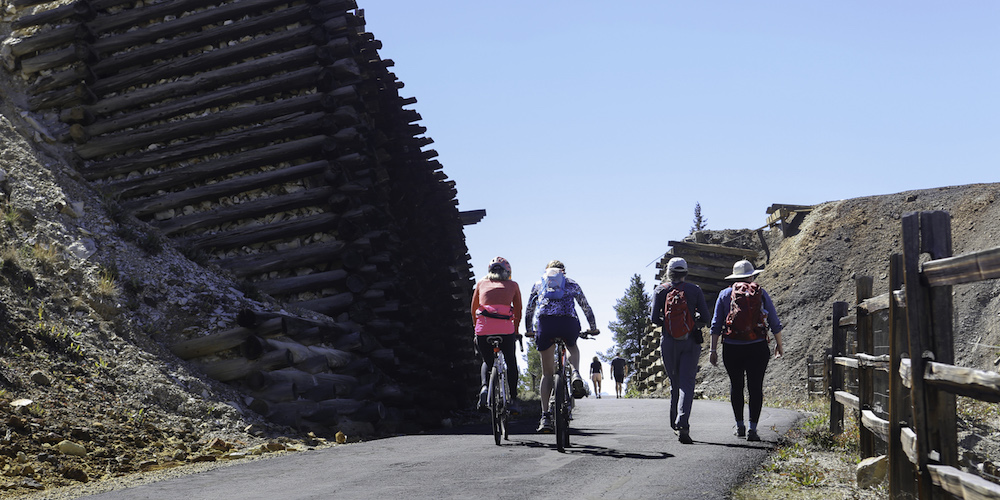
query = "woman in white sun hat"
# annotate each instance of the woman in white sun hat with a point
(744, 313)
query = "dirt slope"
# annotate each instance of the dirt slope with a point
(839, 240)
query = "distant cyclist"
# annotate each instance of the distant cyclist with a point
(551, 313)
(496, 310)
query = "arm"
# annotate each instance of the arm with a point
(517, 307)
(529, 311)
(587, 311)
(656, 311)
(718, 321)
(772, 315)
(475, 302)
(701, 307)
(775, 325)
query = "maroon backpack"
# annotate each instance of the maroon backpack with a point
(747, 319)
(677, 317)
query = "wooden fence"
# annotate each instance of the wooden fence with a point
(916, 420)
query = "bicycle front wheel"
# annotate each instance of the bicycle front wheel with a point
(560, 417)
(497, 406)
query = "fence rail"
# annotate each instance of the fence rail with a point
(920, 430)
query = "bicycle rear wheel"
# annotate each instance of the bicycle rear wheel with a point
(559, 418)
(497, 407)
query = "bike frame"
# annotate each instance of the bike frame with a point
(498, 396)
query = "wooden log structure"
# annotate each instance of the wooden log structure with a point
(271, 138)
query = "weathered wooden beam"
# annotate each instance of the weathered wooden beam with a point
(299, 79)
(702, 247)
(878, 426)
(256, 208)
(144, 207)
(280, 129)
(56, 36)
(228, 370)
(875, 304)
(848, 399)
(249, 265)
(218, 342)
(978, 384)
(960, 269)
(331, 306)
(262, 233)
(191, 64)
(166, 132)
(296, 284)
(171, 48)
(962, 484)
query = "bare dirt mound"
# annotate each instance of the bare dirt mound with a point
(840, 240)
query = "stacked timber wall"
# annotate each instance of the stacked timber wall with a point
(708, 265)
(269, 139)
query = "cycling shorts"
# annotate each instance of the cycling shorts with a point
(551, 327)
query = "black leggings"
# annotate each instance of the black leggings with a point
(508, 347)
(750, 361)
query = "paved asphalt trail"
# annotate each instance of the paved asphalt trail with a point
(621, 448)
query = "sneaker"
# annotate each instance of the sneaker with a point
(545, 424)
(752, 435)
(484, 394)
(579, 390)
(740, 431)
(684, 436)
(514, 408)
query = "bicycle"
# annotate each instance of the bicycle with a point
(561, 385)
(498, 396)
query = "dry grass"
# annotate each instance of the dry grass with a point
(811, 463)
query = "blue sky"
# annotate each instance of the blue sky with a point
(588, 131)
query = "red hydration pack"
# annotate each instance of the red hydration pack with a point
(747, 318)
(677, 317)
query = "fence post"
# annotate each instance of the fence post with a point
(836, 370)
(902, 483)
(928, 315)
(866, 344)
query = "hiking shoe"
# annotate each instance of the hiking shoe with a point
(752, 435)
(740, 431)
(684, 436)
(579, 390)
(545, 424)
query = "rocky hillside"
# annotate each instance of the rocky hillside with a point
(816, 265)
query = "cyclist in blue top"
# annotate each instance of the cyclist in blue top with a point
(547, 318)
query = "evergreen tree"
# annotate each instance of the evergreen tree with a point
(532, 374)
(632, 311)
(700, 223)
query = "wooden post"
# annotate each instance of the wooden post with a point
(902, 483)
(837, 371)
(918, 334)
(935, 239)
(866, 389)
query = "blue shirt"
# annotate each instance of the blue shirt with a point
(722, 310)
(540, 306)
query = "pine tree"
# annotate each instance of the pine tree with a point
(632, 311)
(699, 222)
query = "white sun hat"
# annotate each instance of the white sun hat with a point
(743, 269)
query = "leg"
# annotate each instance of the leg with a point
(687, 370)
(509, 348)
(733, 359)
(548, 368)
(758, 355)
(668, 352)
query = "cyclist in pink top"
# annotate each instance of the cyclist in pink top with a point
(496, 310)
